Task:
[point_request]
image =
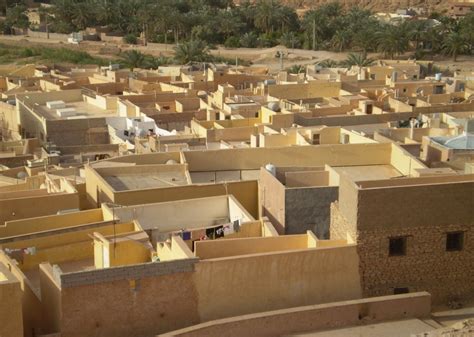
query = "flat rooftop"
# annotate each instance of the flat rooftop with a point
(83, 110)
(369, 172)
(138, 180)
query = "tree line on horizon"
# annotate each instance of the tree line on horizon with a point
(264, 23)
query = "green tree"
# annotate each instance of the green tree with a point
(359, 60)
(393, 40)
(455, 44)
(249, 40)
(133, 59)
(267, 15)
(328, 63)
(290, 40)
(16, 17)
(341, 40)
(191, 51)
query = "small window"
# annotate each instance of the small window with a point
(454, 241)
(397, 246)
(398, 291)
(404, 89)
(316, 139)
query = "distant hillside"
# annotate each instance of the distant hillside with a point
(375, 5)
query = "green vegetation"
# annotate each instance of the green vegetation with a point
(10, 54)
(264, 23)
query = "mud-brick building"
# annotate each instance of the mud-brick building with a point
(412, 234)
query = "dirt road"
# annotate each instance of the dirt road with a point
(258, 56)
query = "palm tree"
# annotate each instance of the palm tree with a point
(267, 15)
(328, 63)
(289, 40)
(392, 40)
(455, 44)
(417, 32)
(365, 39)
(133, 59)
(340, 40)
(191, 51)
(249, 40)
(296, 69)
(360, 60)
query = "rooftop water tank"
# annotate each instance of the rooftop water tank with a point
(271, 168)
(274, 106)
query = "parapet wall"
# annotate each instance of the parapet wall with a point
(137, 271)
(315, 317)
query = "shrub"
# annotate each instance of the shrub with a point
(232, 42)
(130, 39)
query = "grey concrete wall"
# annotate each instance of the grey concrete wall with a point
(308, 208)
(136, 271)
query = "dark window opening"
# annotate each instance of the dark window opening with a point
(370, 109)
(397, 246)
(316, 139)
(397, 291)
(454, 241)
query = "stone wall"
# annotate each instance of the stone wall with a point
(427, 266)
(309, 209)
(423, 215)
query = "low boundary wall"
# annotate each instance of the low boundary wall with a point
(315, 317)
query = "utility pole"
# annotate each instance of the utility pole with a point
(314, 34)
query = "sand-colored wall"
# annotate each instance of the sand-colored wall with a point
(20, 208)
(254, 158)
(244, 191)
(30, 301)
(176, 215)
(50, 299)
(307, 90)
(11, 315)
(233, 247)
(315, 317)
(403, 162)
(247, 284)
(272, 199)
(44, 223)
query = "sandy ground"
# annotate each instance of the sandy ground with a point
(258, 56)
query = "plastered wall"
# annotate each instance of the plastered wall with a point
(248, 284)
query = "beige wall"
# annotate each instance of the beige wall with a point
(302, 319)
(308, 90)
(11, 316)
(276, 280)
(20, 208)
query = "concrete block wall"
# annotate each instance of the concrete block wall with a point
(137, 271)
(309, 209)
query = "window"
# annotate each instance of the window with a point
(397, 291)
(316, 139)
(454, 241)
(397, 246)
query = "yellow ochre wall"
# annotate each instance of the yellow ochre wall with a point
(247, 284)
(11, 316)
